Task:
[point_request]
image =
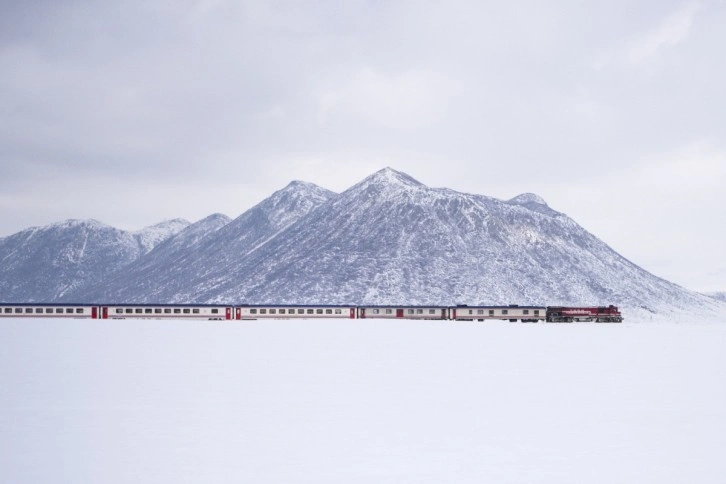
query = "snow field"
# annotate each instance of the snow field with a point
(361, 402)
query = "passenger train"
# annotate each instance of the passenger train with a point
(512, 313)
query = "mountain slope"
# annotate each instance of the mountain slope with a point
(162, 267)
(45, 263)
(205, 256)
(390, 239)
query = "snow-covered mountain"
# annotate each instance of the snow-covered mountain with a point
(387, 239)
(46, 263)
(390, 239)
(721, 296)
(150, 237)
(206, 254)
(145, 274)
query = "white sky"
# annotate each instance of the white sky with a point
(132, 112)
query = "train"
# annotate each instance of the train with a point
(225, 312)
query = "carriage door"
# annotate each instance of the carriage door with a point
(104, 312)
(237, 313)
(228, 313)
(362, 313)
(94, 312)
(399, 313)
(352, 313)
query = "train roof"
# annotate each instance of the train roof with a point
(510, 306)
(295, 305)
(46, 304)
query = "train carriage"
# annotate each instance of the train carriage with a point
(167, 311)
(58, 310)
(512, 313)
(403, 312)
(285, 311)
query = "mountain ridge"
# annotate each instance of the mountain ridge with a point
(387, 239)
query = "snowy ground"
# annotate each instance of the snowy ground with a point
(361, 402)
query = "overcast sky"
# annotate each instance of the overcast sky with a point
(132, 112)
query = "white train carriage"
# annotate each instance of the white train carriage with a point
(167, 311)
(284, 311)
(513, 313)
(403, 312)
(31, 310)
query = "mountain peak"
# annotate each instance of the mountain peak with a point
(527, 198)
(153, 235)
(389, 176)
(216, 217)
(170, 224)
(73, 223)
(299, 184)
(300, 190)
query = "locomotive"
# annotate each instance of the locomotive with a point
(512, 313)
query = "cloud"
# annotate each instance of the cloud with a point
(672, 30)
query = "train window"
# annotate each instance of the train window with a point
(59, 310)
(479, 311)
(195, 311)
(177, 311)
(119, 310)
(167, 310)
(310, 311)
(328, 311)
(536, 312)
(49, 310)
(157, 310)
(253, 311)
(491, 312)
(263, 311)
(28, 310)
(419, 311)
(432, 311)
(301, 311)
(129, 311)
(39, 310)
(505, 311)
(79, 310)
(376, 311)
(389, 311)
(319, 311)
(69, 310)
(215, 311)
(273, 311)
(148, 310)
(338, 311)
(186, 311)
(282, 311)
(8, 310)
(525, 311)
(409, 311)
(471, 311)
(18, 310)
(139, 311)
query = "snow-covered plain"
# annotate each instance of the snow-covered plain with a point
(361, 402)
